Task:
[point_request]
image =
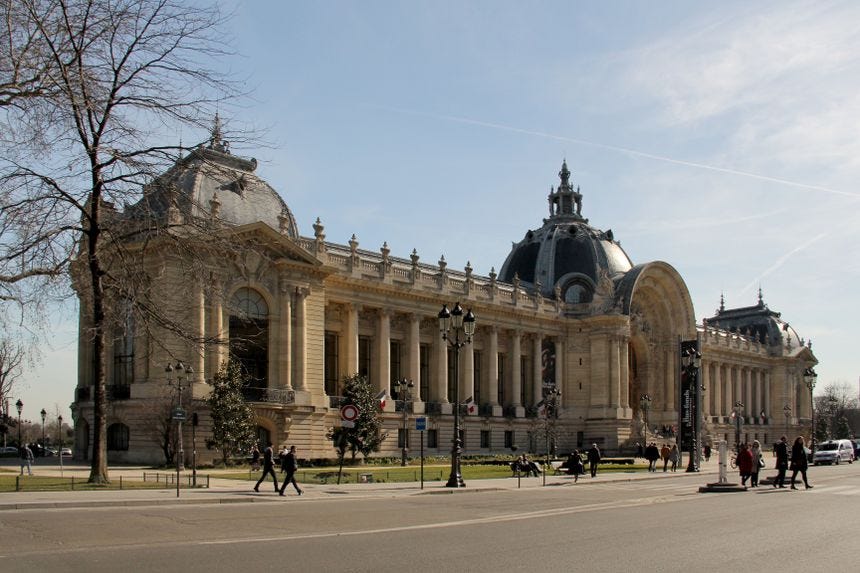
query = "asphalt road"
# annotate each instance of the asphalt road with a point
(655, 525)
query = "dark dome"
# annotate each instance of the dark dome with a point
(566, 253)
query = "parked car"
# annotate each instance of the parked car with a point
(834, 452)
(49, 452)
(66, 452)
(857, 449)
(8, 451)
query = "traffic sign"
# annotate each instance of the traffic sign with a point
(349, 413)
(421, 423)
(179, 414)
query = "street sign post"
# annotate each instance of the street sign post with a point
(421, 426)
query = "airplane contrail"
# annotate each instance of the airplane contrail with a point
(626, 150)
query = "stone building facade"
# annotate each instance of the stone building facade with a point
(567, 312)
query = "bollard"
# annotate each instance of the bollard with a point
(723, 461)
(17, 483)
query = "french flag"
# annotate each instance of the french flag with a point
(471, 407)
(381, 398)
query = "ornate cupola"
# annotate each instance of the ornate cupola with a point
(565, 202)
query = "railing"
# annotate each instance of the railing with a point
(485, 410)
(269, 395)
(336, 401)
(400, 405)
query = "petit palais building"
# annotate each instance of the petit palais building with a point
(569, 322)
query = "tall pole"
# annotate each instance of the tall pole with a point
(739, 407)
(465, 324)
(20, 406)
(403, 388)
(810, 377)
(60, 440)
(43, 413)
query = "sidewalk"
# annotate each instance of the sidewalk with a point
(233, 491)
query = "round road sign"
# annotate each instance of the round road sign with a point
(349, 412)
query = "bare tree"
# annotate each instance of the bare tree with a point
(87, 87)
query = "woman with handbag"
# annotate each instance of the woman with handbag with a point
(799, 462)
(745, 464)
(758, 463)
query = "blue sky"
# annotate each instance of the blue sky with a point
(722, 139)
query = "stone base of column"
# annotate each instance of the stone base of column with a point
(446, 408)
(417, 407)
(519, 412)
(498, 411)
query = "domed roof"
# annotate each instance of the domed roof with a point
(566, 253)
(213, 183)
(759, 323)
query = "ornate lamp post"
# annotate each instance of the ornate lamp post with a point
(809, 378)
(552, 397)
(645, 405)
(60, 440)
(738, 414)
(20, 406)
(692, 361)
(183, 372)
(787, 411)
(404, 390)
(465, 325)
(43, 413)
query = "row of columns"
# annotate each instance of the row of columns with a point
(486, 340)
(733, 383)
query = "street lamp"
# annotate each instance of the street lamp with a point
(738, 414)
(43, 413)
(645, 405)
(551, 400)
(692, 361)
(60, 440)
(464, 325)
(787, 411)
(20, 406)
(182, 372)
(404, 388)
(810, 377)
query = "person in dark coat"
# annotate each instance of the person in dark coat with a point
(799, 462)
(292, 465)
(593, 459)
(652, 454)
(781, 450)
(268, 468)
(574, 465)
(745, 463)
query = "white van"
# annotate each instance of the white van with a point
(834, 452)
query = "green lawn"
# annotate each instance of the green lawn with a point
(11, 483)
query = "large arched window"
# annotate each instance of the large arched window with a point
(117, 437)
(249, 337)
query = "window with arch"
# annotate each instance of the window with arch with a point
(577, 293)
(249, 336)
(117, 437)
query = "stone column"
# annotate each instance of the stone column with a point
(415, 355)
(285, 342)
(537, 368)
(383, 350)
(351, 340)
(467, 370)
(768, 407)
(749, 398)
(625, 377)
(705, 380)
(301, 338)
(198, 319)
(718, 391)
(493, 367)
(759, 397)
(216, 327)
(669, 386)
(614, 373)
(516, 373)
(559, 363)
(441, 352)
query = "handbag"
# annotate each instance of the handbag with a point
(761, 463)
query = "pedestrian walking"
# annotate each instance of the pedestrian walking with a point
(282, 459)
(268, 467)
(574, 465)
(707, 451)
(26, 455)
(292, 465)
(757, 462)
(781, 449)
(745, 463)
(664, 454)
(799, 462)
(652, 454)
(674, 457)
(593, 459)
(255, 458)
